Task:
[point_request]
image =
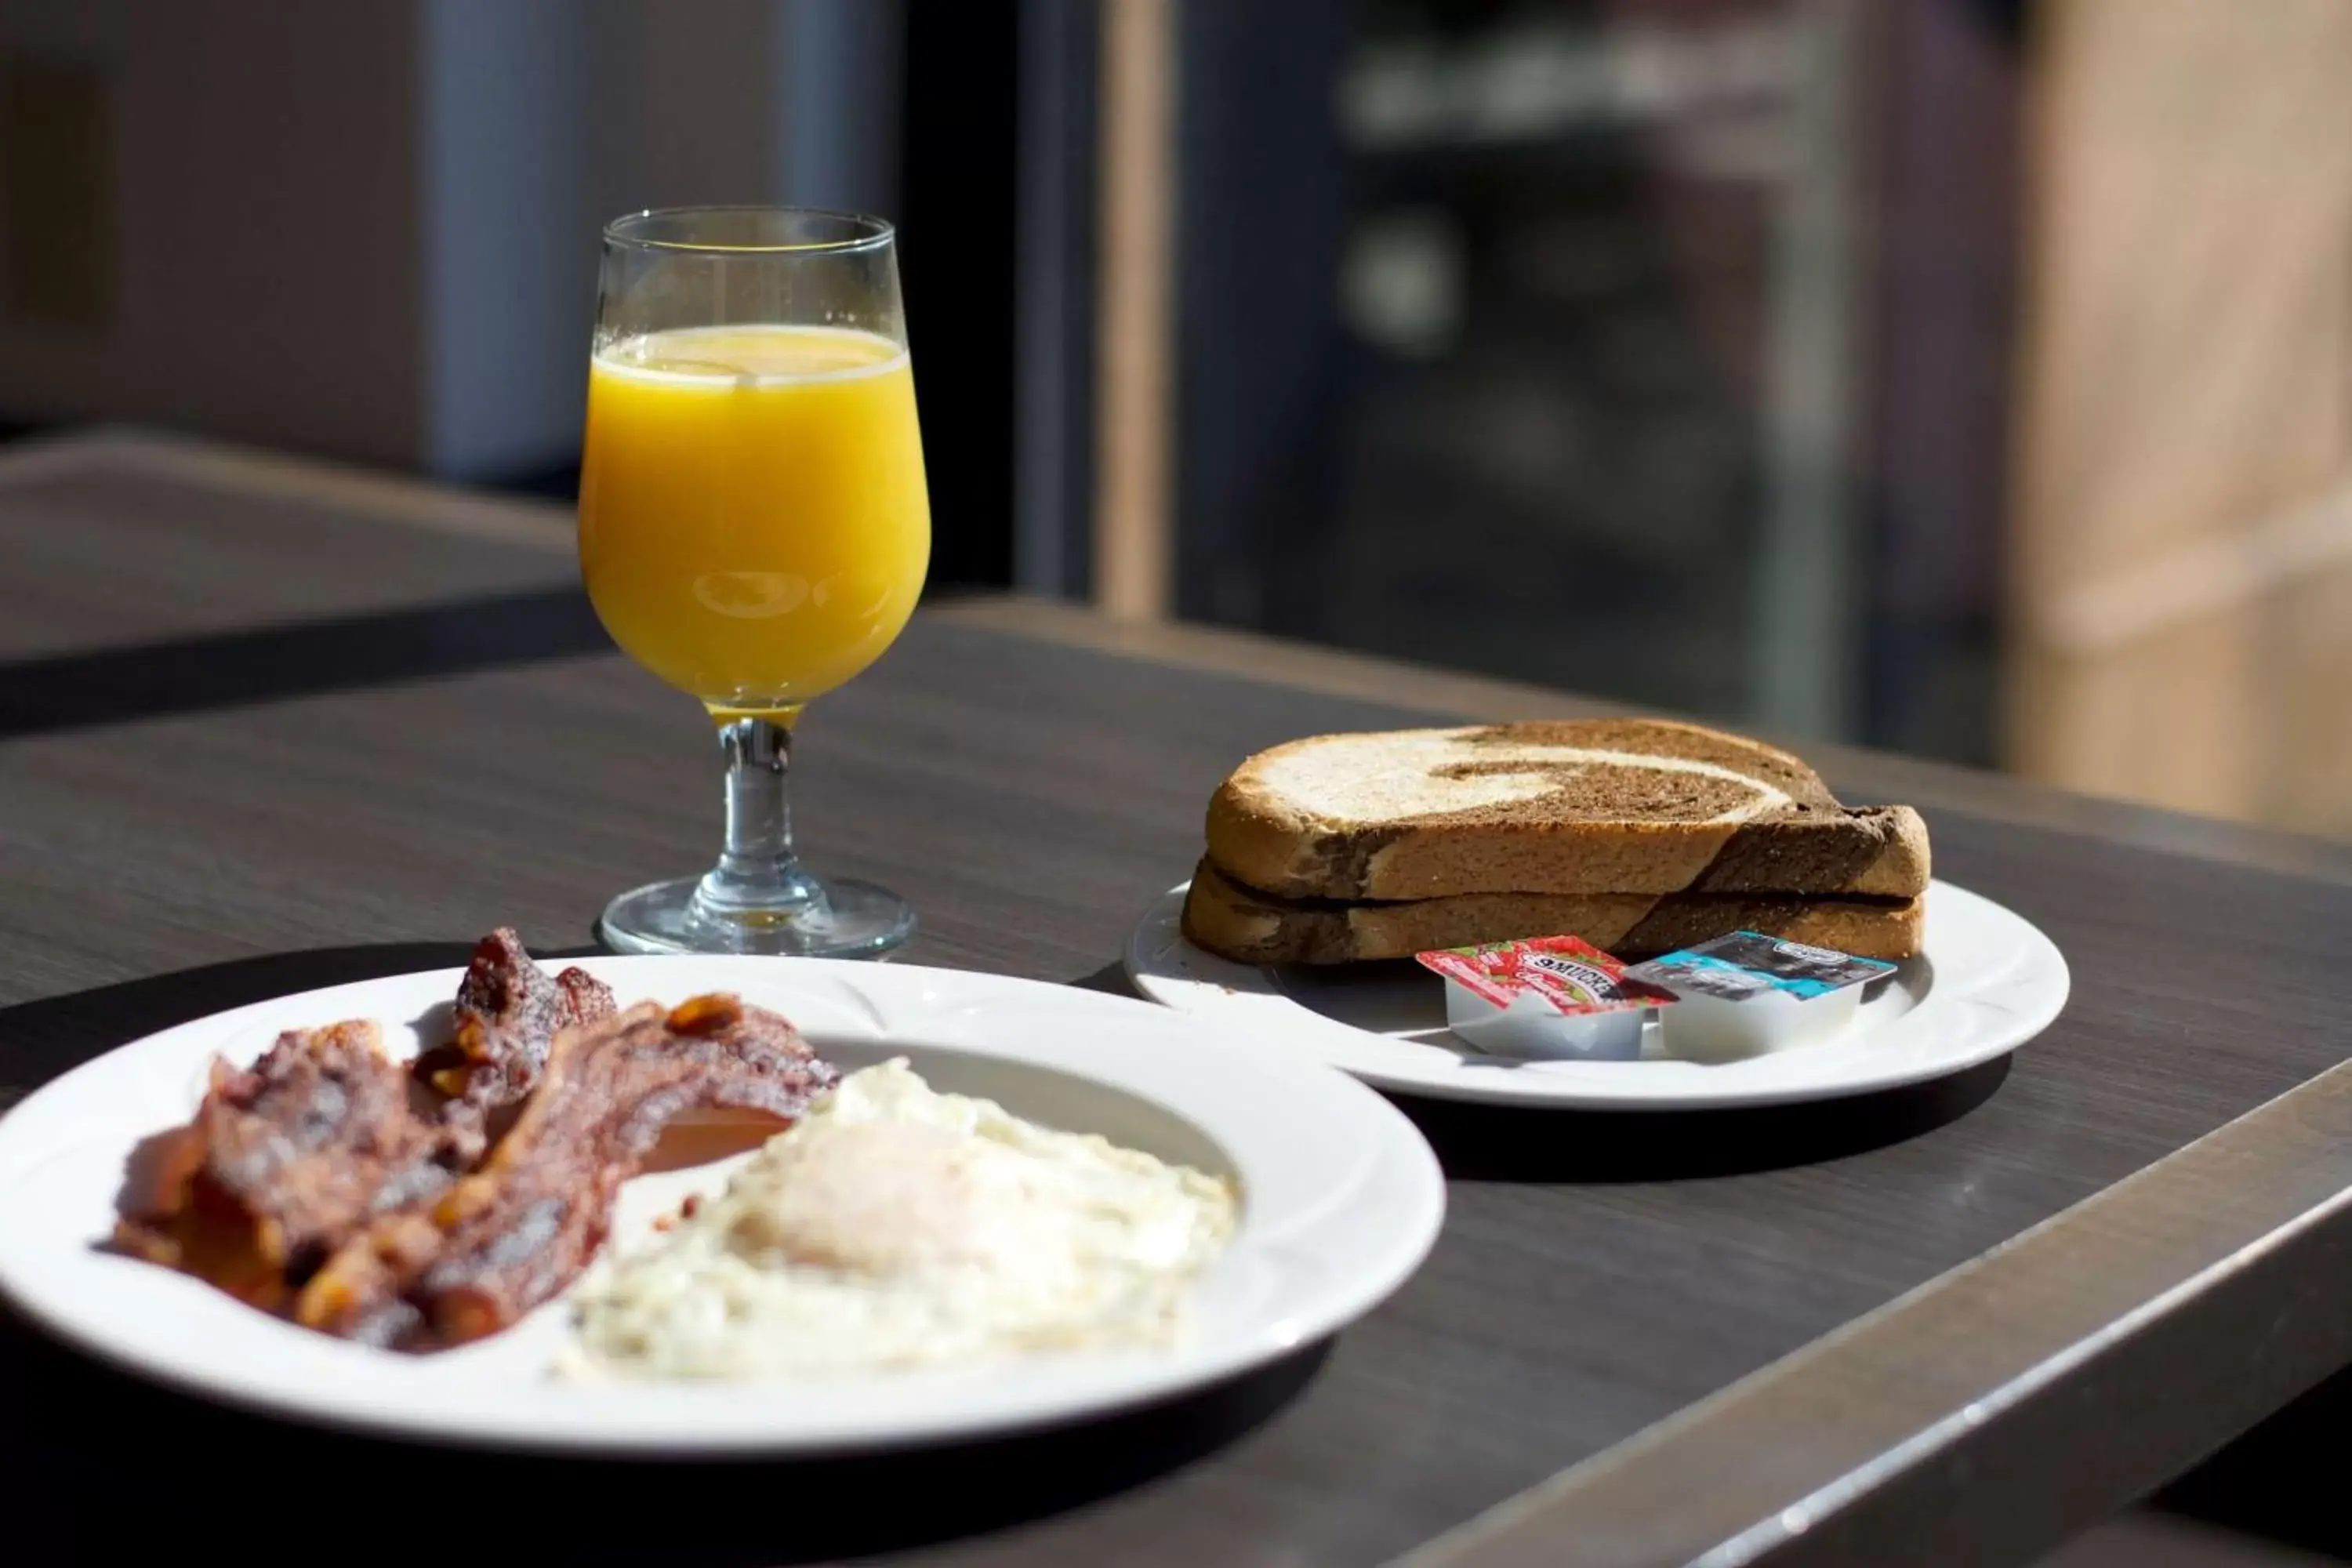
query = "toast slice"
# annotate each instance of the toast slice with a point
(1250, 926)
(1583, 806)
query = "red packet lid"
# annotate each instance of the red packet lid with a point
(1568, 972)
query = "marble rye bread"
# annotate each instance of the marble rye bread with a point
(1254, 927)
(1615, 806)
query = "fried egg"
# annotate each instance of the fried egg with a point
(894, 1225)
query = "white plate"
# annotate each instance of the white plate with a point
(1989, 982)
(1341, 1200)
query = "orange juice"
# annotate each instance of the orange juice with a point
(753, 526)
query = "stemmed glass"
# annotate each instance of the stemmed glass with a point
(753, 527)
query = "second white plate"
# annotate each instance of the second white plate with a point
(1989, 982)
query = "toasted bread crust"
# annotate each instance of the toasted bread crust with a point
(1787, 835)
(1250, 926)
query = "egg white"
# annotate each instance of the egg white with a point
(894, 1225)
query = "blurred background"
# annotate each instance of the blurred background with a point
(1961, 377)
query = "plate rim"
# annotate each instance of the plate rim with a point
(1160, 929)
(1400, 1159)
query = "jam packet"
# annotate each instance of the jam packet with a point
(1551, 996)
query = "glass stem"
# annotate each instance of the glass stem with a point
(758, 873)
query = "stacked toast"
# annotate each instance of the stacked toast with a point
(1640, 836)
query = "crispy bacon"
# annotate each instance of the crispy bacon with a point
(521, 1228)
(284, 1162)
(508, 1013)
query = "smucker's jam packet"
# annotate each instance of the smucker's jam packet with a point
(1569, 974)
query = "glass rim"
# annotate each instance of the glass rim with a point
(876, 232)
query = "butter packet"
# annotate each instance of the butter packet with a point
(1749, 963)
(1750, 995)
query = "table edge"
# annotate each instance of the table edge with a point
(1874, 1438)
(543, 526)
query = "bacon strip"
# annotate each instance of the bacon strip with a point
(519, 1229)
(508, 1013)
(284, 1162)
(287, 1159)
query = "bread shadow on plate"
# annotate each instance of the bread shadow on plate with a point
(80, 1433)
(1477, 1141)
(1490, 1142)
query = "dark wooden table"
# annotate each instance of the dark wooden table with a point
(265, 726)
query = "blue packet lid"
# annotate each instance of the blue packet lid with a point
(1749, 964)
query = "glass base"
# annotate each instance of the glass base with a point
(848, 920)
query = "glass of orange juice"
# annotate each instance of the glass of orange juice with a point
(753, 527)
